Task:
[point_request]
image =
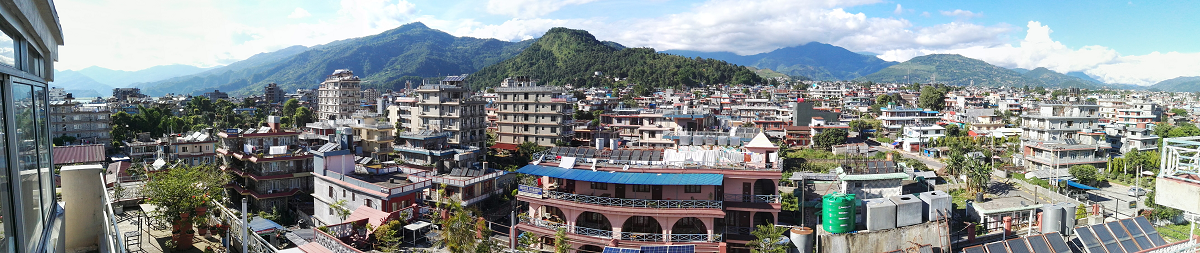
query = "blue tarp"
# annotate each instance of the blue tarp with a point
(623, 177)
(1080, 186)
(261, 226)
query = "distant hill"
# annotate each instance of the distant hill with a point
(566, 56)
(79, 84)
(384, 60)
(205, 81)
(123, 79)
(815, 60)
(1055, 79)
(951, 69)
(1083, 76)
(1020, 70)
(1179, 84)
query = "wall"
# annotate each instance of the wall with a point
(929, 233)
(873, 188)
(354, 199)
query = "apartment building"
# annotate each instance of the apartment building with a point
(895, 117)
(375, 136)
(450, 107)
(917, 137)
(273, 94)
(267, 164)
(401, 113)
(649, 128)
(193, 148)
(1139, 112)
(382, 190)
(338, 96)
(1062, 134)
(528, 112)
(127, 94)
(215, 94)
(690, 195)
(87, 123)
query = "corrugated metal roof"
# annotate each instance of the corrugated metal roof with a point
(79, 154)
(623, 177)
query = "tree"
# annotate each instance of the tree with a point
(340, 208)
(1086, 174)
(767, 239)
(289, 107)
(830, 138)
(457, 229)
(183, 189)
(526, 241)
(1179, 112)
(486, 244)
(303, 116)
(978, 175)
(561, 243)
(386, 238)
(527, 149)
(861, 125)
(932, 98)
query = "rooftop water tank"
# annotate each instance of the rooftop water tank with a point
(838, 212)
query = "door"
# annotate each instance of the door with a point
(719, 193)
(656, 192)
(569, 186)
(747, 190)
(620, 191)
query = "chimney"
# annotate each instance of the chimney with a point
(273, 122)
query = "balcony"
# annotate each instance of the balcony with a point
(752, 198)
(90, 207)
(533, 191)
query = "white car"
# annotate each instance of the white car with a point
(1136, 192)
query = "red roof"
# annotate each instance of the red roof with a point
(373, 216)
(505, 146)
(79, 154)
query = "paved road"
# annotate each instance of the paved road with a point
(929, 162)
(1116, 197)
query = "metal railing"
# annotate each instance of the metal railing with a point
(256, 244)
(644, 203)
(114, 240)
(641, 237)
(695, 238)
(585, 231)
(752, 198)
(750, 166)
(738, 230)
(332, 243)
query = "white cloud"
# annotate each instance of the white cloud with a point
(299, 13)
(898, 10)
(925, 14)
(529, 8)
(962, 14)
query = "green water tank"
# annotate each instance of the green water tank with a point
(838, 212)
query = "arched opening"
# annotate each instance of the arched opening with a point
(595, 221)
(689, 225)
(764, 218)
(590, 249)
(554, 214)
(641, 228)
(764, 187)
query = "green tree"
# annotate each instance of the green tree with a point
(527, 149)
(1086, 174)
(388, 236)
(932, 98)
(182, 189)
(1179, 112)
(767, 239)
(526, 241)
(830, 138)
(979, 175)
(457, 230)
(303, 116)
(289, 107)
(340, 208)
(561, 243)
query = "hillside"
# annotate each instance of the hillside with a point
(204, 81)
(950, 69)
(814, 60)
(81, 85)
(1181, 84)
(123, 79)
(1055, 79)
(384, 60)
(566, 56)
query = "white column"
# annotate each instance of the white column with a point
(85, 202)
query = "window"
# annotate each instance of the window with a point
(368, 203)
(599, 186)
(331, 191)
(641, 188)
(526, 95)
(353, 196)
(343, 193)
(8, 53)
(553, 107)
(691, 189)
(525, 107)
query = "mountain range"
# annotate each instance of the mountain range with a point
(97, 81)
(566, 56)
(817, 61)
(1180, 84)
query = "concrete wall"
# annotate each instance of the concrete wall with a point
(931, 233)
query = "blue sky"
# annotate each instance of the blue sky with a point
(1115, 41)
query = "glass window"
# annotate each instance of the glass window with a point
(27, 164)
(691, 189)
(45, 165)
(641, 188)
(5, 199)
(8, 53)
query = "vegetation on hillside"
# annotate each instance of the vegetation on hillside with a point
(564, 56)
(949, 69)
(816, 60)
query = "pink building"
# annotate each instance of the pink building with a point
(701, 195)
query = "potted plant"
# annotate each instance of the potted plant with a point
(118, 194)
(208, 249)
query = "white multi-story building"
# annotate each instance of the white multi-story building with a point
(1063, 134)
(532, 113)
(450, 107)
(338, 96)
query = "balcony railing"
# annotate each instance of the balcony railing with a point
(642, 237)
(695, 238)
(114, 240)
(752, 166)
(643, 203)
(752, 198)
(256, 243)
(585, 231)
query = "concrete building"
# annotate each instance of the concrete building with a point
(273, 94)
(375, 136)
(1061, 134)
(126, 94)
(450, 107)
(267, 165)
(334, 179)
(685, 195)
(532, 113)
(87, 123)
(216, 94)
(918, 136)
(194, 148)
(896, 117)
(338, 96)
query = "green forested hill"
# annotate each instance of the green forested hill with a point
(814, 60)
(566, 56)
(950, 69)
(384, 60)
(1183, 83)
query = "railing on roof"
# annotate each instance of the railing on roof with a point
(438, 87)
(410, 187)
(585, 231)
(256, 245)
(644, 203)
(752, 198)
(642, 237)
(332, 243)
(695, 238)
(544, 156)
(114, 240)
(355, 181)
(528, 88)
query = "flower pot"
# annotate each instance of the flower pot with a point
(203, 231)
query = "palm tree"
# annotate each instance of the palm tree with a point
(340, 207)
(769, 239)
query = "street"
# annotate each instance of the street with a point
(1115, 197)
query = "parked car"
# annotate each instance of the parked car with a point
(1136, 192)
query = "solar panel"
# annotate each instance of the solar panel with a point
(657, 156)
(636, 155)
(1057, 243)
(646, 155)
(654, 249)
(975, 249)
(611, 250)
(1149, 230)
(1018, 246)
(554, 151)
(590, 153)
(996, 247)
(681, 249)
(1110, 242)
(1088, 239)
(1037, 243)
(1122, 237)
(631, 251)
(1139, 237)
(458, 172)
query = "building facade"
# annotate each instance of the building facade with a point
(1062, 134)
(86, 123)
(531, 113)
(266, 164)
(273, 94)
(450, 107)
(338, 95)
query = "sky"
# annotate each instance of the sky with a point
(1130, 42)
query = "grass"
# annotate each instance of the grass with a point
(1035, 181)
(1175, 233)
(884, 140)
(959, 197)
